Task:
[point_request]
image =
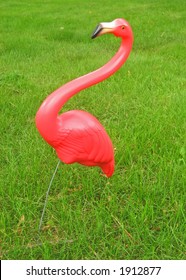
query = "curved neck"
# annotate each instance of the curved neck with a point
(46, 118)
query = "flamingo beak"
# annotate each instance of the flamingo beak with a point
(102, 28)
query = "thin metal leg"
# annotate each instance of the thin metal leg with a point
(47, 193)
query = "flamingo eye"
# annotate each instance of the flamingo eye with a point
(123, 27)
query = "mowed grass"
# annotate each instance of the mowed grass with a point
(139, 213)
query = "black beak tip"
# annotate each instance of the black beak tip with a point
(93, 36)
(96, 31)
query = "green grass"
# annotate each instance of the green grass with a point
(139, 213)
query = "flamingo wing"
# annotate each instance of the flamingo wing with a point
(82, 139)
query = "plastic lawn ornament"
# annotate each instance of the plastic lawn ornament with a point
(76, 135)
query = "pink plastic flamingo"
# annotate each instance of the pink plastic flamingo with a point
(76, 135)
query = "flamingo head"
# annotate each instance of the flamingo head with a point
(119, 27)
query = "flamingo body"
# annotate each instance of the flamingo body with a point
(77, 136)
(81, 138)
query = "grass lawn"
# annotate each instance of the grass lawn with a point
(139, 213)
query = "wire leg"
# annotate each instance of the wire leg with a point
(47, 193)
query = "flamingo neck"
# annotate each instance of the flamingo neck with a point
(46, 118)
